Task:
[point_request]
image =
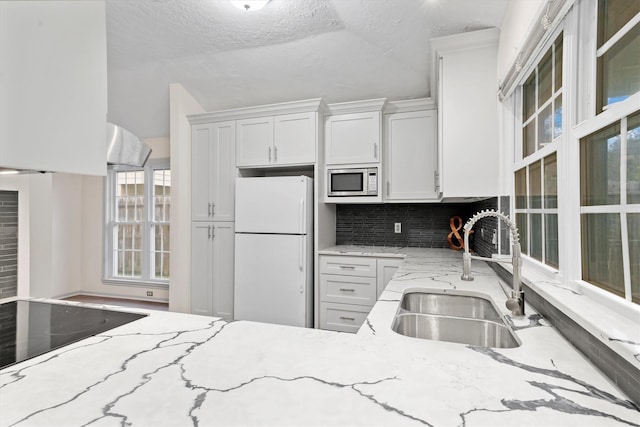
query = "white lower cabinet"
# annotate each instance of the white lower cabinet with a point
(386, 268)
(212, 248)
(349, 287)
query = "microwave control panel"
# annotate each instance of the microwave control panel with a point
(373, 183)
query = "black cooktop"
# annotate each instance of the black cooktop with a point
(31, 328)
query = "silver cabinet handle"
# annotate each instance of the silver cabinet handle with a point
(347, 318)
(348, 267)
(275, 154)
(375, 150)
(388, 188)
(213, 209)
(209, 209)
(436, 181)
(208, 231)
(347, 290)
(269, 154)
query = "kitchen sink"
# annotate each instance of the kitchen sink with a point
(457, 305)
(483, 333)
(458, 317)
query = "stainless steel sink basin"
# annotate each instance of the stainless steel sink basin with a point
(458, 316)
(483, 333)
(469, 306)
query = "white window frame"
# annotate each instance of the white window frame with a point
(555, 146)
(146, 279)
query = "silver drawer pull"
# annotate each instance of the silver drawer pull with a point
(348, 267)
(347, 290)
(347, 318)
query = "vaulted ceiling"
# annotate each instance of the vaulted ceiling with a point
(339, 50)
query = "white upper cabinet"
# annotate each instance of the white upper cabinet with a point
(353, 138)
(288, 139)
(353, 133)
(295, 138)
(467, 88)
(53, 86)
(411, 156)
(213, 171)
(255, 141)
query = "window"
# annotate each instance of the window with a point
(536, 209)
(618, 54)
(542, 102)
(610, 207)
(138, 205)
(536, 188)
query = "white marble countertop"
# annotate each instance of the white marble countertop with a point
(176, 369)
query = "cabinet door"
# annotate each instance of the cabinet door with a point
(222, 171)
(469, 122)
(353, 138)
(386, 269)
(222, 275)
(201, 136)
(411, 156)
(254, 144)
(294, 138)
(201, 269)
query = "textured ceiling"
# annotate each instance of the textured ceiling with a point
(340, 50)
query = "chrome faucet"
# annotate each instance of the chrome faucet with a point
(516, 302)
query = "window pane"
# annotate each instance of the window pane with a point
(633, 158)
(545, 126)
(602, 251)
(618, 70)
(529, 97)
(535, 186)
(161, 195)
(558, 63)
(521, 223)
(600, 167)
(551, 240)
(529, 139)
(550, 181)
(544, 79)
(612, 15)
(557, 117)
(128, 250)
(161, 251)
(521, 189)
(633, 225)
(536, 236)
(130, 196)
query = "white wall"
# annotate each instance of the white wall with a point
(92, 219)
(181, 104)
(517, 23)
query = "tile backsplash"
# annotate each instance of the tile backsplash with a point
(424, 225)
(8, 243)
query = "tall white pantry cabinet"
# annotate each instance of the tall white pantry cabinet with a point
(212, 214)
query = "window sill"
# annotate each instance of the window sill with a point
(612, 320)
(137, 283)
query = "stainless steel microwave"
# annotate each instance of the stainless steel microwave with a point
(352, 182)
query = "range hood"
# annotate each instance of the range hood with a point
(124, 148)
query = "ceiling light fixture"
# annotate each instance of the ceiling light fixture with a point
(249, 5)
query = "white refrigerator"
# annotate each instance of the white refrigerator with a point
(274, 250)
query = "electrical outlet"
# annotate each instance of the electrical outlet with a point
(149, 293)
(397, 227)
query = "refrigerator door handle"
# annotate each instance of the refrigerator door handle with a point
(301, 223)
(301, 264)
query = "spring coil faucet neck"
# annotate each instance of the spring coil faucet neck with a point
(516, 302)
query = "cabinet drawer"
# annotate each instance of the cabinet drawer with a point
(342, 317)
(348, 265)
(348, 289)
